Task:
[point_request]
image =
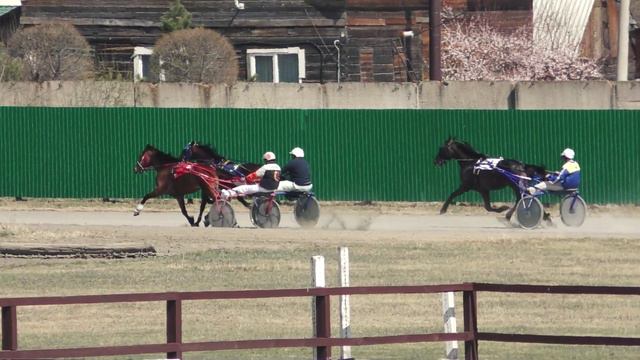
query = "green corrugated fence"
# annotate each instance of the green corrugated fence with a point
(381, 155)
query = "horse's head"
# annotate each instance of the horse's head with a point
(151, 157)
(444, 153)
(454, 149)
(145, 158)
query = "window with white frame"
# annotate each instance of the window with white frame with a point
(276, 65)
(141, 63)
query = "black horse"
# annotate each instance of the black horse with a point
(227, 170)
(483, 181)
(167, 184)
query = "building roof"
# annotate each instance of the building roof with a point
(560, 23)
(6, 9)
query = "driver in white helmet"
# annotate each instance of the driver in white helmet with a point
(567, 178)
(297, 173)
(265, 179)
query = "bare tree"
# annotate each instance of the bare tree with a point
(194, 55)
(10, 68)
(473, 50)
(52, 51)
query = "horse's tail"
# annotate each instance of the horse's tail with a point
(514, 166)
(535, 170)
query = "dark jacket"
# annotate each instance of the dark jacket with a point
(298, 171)
(269, 175)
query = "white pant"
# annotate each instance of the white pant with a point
(286, 185)
(548, 185)
(243, 190)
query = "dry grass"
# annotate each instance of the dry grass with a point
(194, 260)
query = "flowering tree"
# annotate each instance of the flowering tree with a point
(473, 50)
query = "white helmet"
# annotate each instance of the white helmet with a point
(568, 153)
(297, 152)
(268, 156)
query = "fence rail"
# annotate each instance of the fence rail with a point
(174, 347)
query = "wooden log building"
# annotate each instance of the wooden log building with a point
(279, 40)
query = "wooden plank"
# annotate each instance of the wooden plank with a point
(387, 4)
(456, 4)
(77, 252)
(27, 20)
(351, 21)
(494, 5)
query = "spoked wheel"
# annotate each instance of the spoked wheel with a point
(265, 212)
(221, 214)
(529, 212)
(573, 210)
(307, 211)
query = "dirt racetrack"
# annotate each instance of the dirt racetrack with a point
(95, 223)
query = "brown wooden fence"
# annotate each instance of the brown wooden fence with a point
(174, 347)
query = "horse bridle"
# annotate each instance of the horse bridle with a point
(139, 163)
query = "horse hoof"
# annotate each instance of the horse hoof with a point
(505, 221)
(195, 225)
(136, 213)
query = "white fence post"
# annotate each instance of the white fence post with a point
(345, 310)
(317, 280)
(449, 315)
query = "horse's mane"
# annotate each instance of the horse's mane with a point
(163, 157)
(467, 148)
(210, 151)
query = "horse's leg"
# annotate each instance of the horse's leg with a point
(140, 205)
(244, 202)
(487, 202)
(204, 199)
(509, 213)
(183, 209)
(459, 191)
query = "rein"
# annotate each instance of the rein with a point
(143, 169)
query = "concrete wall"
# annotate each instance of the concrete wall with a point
(277, 96)
(67, 94)
(180, 95)
(628, 95)
(565, 95)
(467, 95)
(426, 95)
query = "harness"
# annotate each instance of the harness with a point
(143, 169)
(229, 167)
(486, 164)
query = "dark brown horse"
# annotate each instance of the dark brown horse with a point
(229, 172)
(168, 184)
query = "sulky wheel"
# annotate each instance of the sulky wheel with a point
(307, 211)
(221, 214)
(529, 212)
(573, 210)
(265, 212)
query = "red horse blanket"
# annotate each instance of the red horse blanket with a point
(206, 173)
